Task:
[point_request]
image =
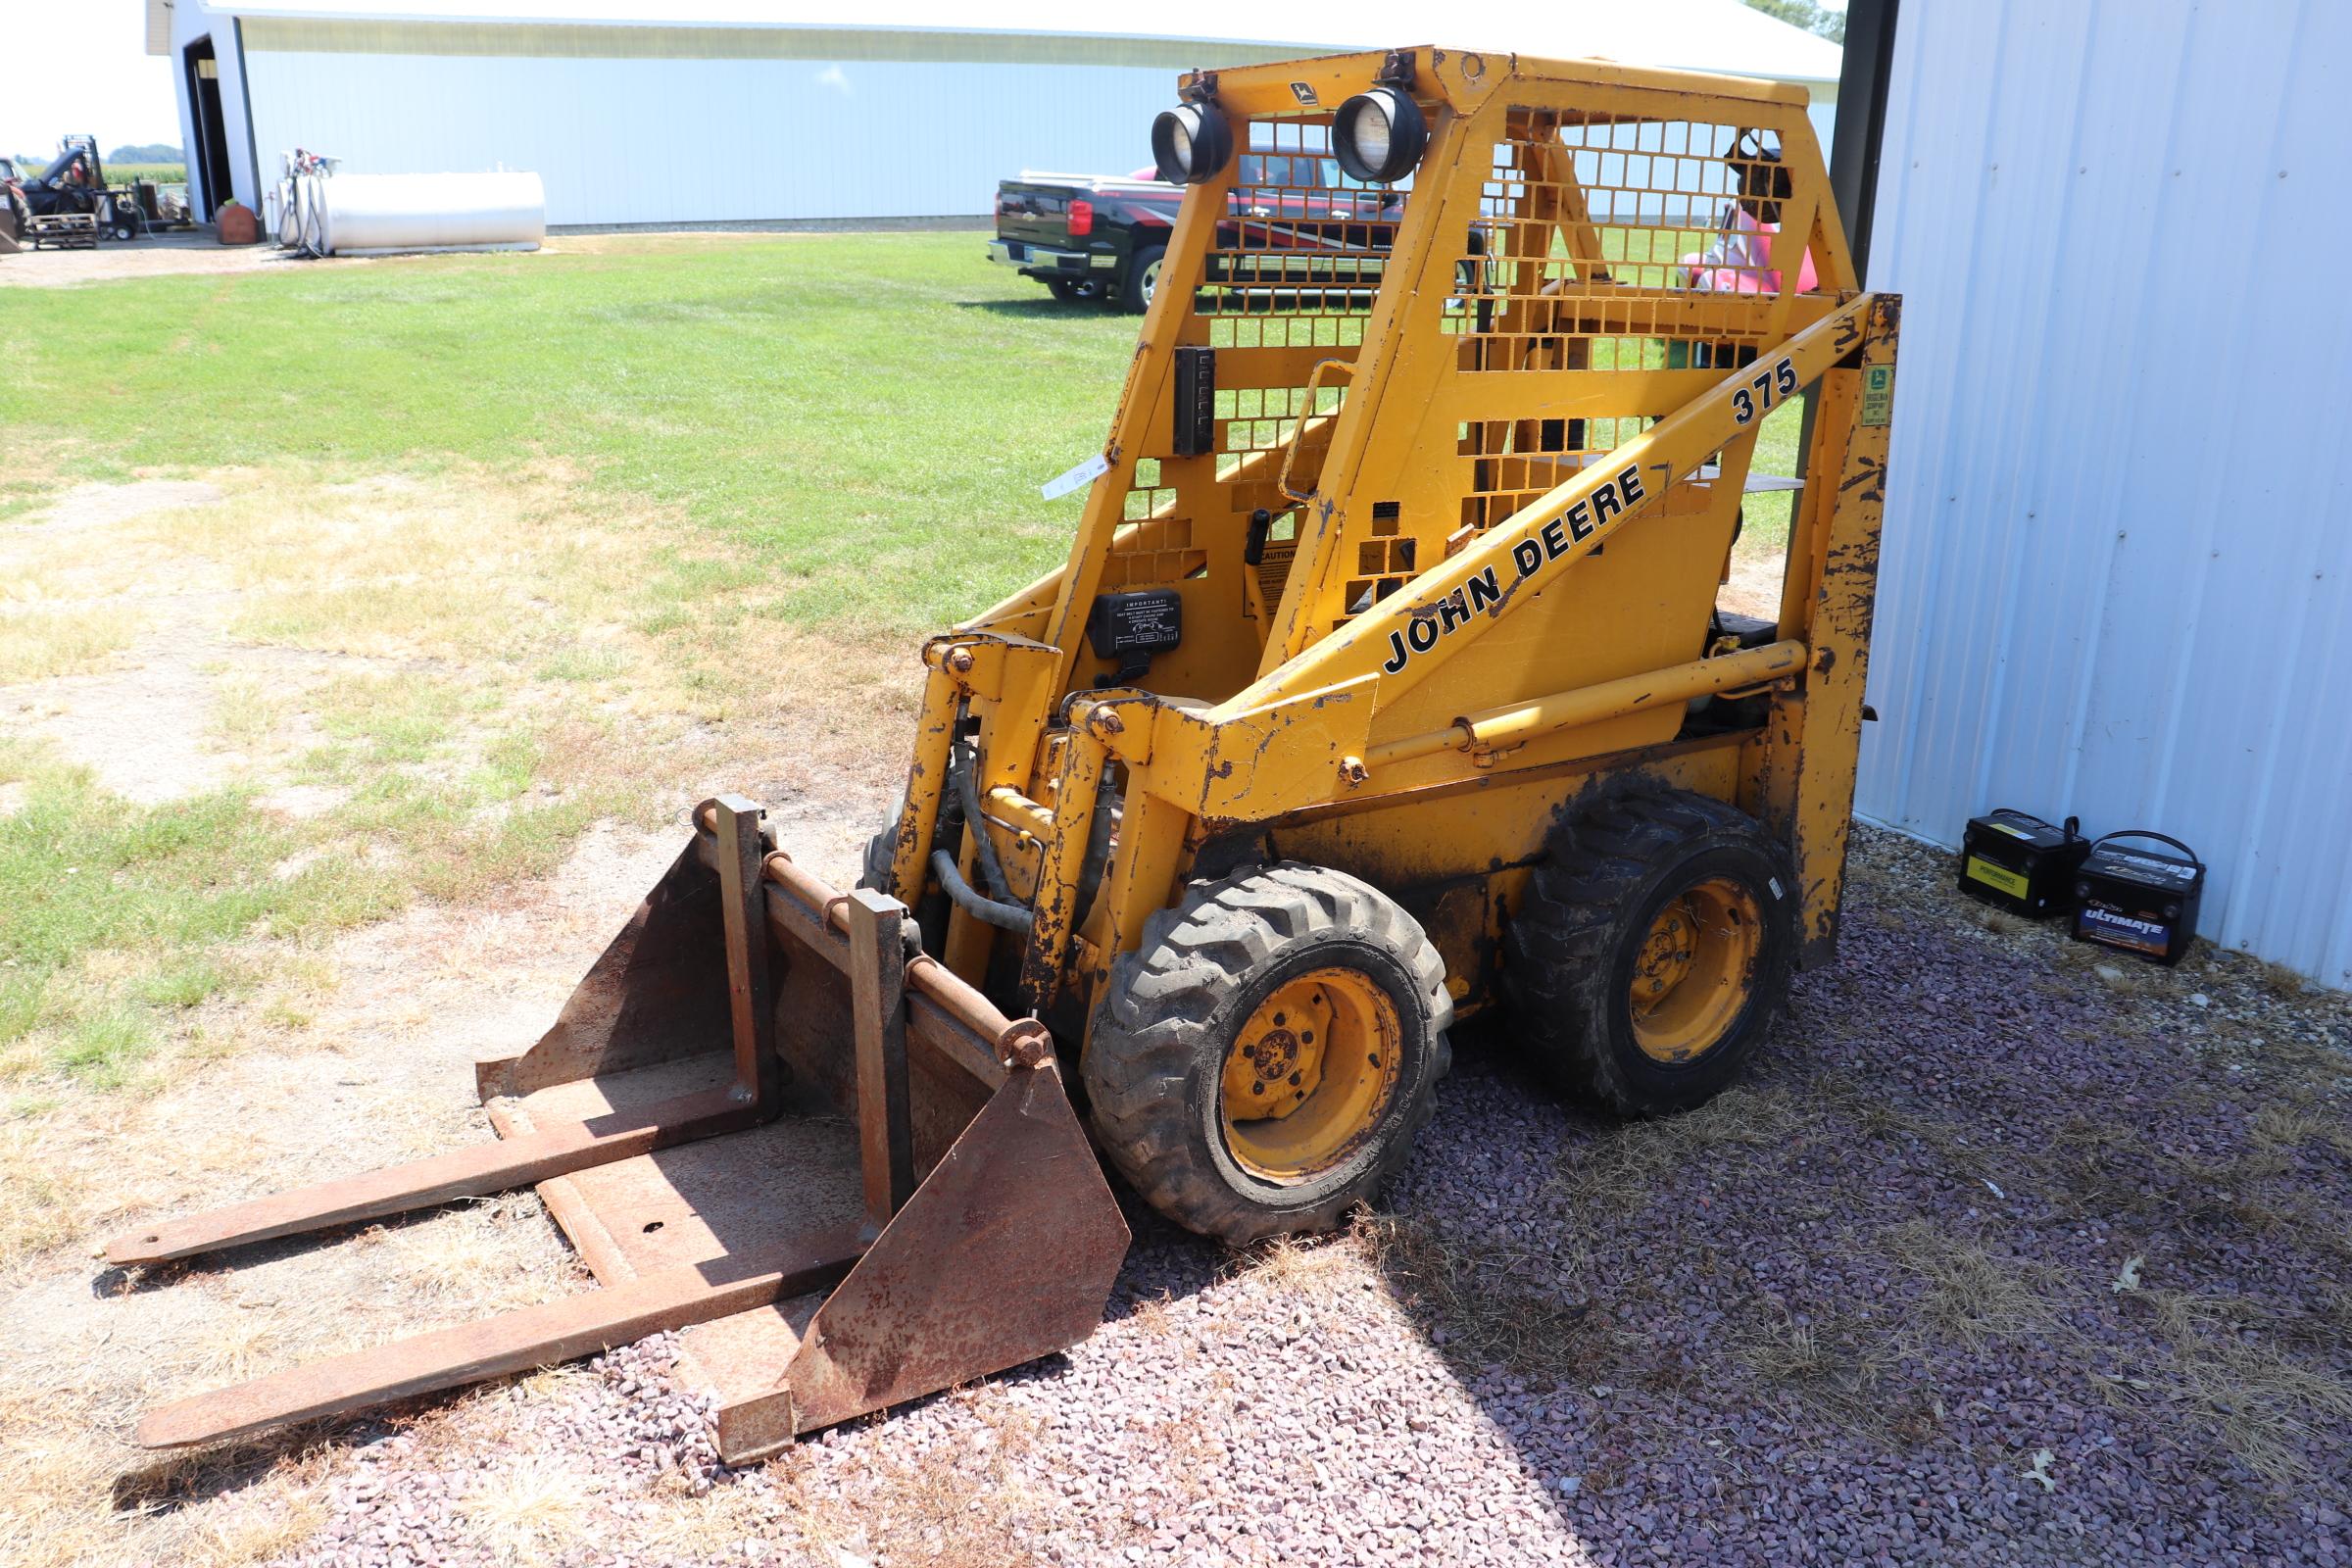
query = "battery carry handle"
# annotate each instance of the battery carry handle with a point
(2149, 833)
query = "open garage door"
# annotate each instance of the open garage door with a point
(209, 153)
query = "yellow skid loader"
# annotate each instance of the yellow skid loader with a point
(1386, 681)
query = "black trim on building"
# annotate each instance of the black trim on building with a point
(1861, 125)
(245, 96)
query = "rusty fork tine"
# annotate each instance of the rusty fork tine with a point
(474, 1172)
(511, 1342)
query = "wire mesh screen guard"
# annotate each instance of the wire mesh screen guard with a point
(1600, 242)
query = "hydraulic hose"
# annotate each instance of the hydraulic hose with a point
(989, 911)
(967, 789)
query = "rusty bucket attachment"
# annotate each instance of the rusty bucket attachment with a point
(765, 1119)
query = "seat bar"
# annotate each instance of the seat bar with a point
(470, 1172)
(510, 1342)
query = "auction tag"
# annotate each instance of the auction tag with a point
(1086, 473)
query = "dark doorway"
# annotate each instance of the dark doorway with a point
(210, 153)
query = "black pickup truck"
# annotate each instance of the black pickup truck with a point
(1098, 237)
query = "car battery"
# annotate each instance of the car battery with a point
(2140, 900)
(2021, 862)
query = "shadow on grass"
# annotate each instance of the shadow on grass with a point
(184, 1478)
(1045, 305)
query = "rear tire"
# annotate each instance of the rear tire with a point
(1218, 1014)
(1652, 951)
(1143, 278)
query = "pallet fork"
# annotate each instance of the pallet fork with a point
(949, 1221)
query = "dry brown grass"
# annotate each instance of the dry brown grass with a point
(1839, 1366)
(2118, 974)
(964, 1507)
(250, 714)
(256, 1524)
(2279, 1128)
(450, 677)
(712, 1525)
(42, 1190)
(1622, 1170)
(467, 1263)
(2001, 923)
(38, 644)
(2280, 981)
(1489, 1307)
(2106, 1167)
(530, 1510)
(1314, 1270)
(34, 472)
(76, 1498)
(1859, 1108)
(2226, 1373)
(1971, 1292)
(2228, 1369)
(1152, 1317)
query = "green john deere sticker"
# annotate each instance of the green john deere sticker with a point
(1877, 393)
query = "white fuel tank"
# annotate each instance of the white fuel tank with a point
(358, 214)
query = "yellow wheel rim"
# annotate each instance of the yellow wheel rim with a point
(1310, 1074)
(1695, 970)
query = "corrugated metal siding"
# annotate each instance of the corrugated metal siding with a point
(2119, 547)
(655, 141)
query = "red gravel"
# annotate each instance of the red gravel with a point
(1873, 1306)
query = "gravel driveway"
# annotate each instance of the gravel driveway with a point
(2004, 1253)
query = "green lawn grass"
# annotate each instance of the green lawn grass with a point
(162, 888)
(872, 416)
(840, 434)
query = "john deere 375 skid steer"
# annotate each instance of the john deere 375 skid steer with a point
(1386, 681)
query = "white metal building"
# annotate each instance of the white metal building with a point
(734, 110)
(2118, 570)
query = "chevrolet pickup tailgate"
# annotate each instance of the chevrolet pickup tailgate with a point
(1038, 213)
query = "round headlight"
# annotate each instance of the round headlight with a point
(1190, 143)
(1378, 136)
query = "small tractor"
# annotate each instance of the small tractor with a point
(71, 205)
(1383, 684)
